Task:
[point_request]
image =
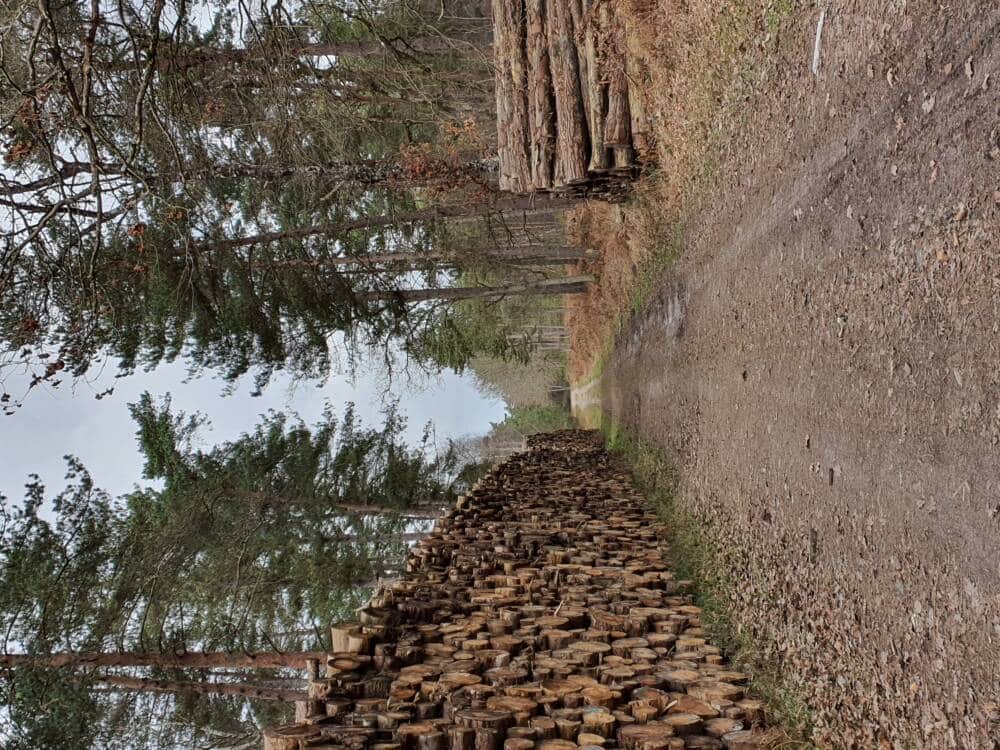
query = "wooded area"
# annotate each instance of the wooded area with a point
(539, 613)
(249, 190)
(276, 190)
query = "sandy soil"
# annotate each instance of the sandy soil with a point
(823, 364)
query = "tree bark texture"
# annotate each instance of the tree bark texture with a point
(583, 99)
(191, 659)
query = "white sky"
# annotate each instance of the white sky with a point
(57, 422)
(101, 433)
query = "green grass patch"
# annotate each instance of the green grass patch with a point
(694, 557)
(528, 420)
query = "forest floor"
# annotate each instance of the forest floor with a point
(801, 310)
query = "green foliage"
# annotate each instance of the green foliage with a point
(232, 133)
(533, 419)
(536, 382)
(52, 573)
(451, 337)
(237, 547)
(50, 710)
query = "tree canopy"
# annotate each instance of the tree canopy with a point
(256, 544)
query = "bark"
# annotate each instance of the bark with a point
(635, 81)
(525, 203)
(512, 94)
(266, 498)
(541, 111)
(617, 125)
(377, 510)
(572, 146)
(568, 285)
(192, 659)
(283, 53)
(531, 255)
(371, 173)
(596, 94)
(241, 689)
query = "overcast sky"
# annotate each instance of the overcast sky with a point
(101, 433)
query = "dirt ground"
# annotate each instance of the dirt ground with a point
(823, 365)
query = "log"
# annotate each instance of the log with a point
(538, 614)
(645, 736)
(542, 124)
(511, 94)
(572, 146)
(597, 94)
(617, 123)
(348, 638)
(635, 81)
(288, 736)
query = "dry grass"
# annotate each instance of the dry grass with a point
(700, 62)
(628, 239)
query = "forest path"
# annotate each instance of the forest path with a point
(822, 366)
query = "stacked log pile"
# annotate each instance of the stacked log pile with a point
(538, 615)
(569, 110)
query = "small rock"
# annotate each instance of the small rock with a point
(928, 105)
(962, 212)
(969, 72)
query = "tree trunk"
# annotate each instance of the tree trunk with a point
(512, 95)
(457, 211)
(193, 659)
(378, 510)
(596, 94)
(277, 53)
(572, 141)
(530, 255)
(542, 131)
(242, 689)
(568, 285)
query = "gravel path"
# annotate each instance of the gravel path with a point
(823, 364)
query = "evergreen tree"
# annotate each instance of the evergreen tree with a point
(255, 545)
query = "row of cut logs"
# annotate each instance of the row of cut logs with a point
(570, 109)
(538, 615)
